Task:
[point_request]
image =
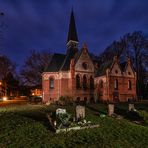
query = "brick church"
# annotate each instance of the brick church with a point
(75, 74)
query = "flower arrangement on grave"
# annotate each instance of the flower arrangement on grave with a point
(63, 120)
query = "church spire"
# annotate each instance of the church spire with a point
(72, 39)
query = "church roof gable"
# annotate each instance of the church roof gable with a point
(109, 64)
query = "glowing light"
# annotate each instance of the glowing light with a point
(32, 94)
(4, 98)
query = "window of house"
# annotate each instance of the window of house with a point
(51, 83)
(129, 85)
(116, 84)
(91, 82)
(85, 65)
(129, 73)
(77, 81)
(84, 82)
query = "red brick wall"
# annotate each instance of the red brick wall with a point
(123, 91)
(48, 93)
(109, 93)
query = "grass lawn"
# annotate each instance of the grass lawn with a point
(27, 126)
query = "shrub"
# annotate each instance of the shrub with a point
(144, 114)
(35, 99)
(66, 100)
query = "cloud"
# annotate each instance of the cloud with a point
(38, 24)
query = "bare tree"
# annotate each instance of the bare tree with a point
(134, 45)
(6, 66)
(2, 25)
(34, 66)
(139, 52)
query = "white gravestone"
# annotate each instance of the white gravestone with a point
(80, 112)
(131, 107)
(110, 109)
(60, 111)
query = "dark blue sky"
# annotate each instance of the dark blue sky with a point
(43, 24)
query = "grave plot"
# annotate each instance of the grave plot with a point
(62, 121)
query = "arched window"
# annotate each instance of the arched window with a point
(129, 85)
(84, 82)
(77, 81)
(116, 84)
(51, 83)
(101, 84)
(91, 82)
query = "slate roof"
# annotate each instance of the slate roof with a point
(69, 55)
(61, 62)
(102, 68)
(77, 55)
(55, 63)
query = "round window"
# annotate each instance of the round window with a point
(116, 71)
(84, 65)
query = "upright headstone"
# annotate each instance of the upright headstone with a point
(80, 112)
(110, 109)
(131, 107)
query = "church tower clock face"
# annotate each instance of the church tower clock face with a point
(85, 65)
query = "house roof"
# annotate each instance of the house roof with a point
(61, 62)
(71, 52)
(102, 68)
(55, 63)
(77, 55)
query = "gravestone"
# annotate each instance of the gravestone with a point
(131, 107)
(110, 109)
(60, 111)
(80, 112)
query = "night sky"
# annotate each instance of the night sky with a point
(43, 24)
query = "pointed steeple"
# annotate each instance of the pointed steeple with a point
(72, 34)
